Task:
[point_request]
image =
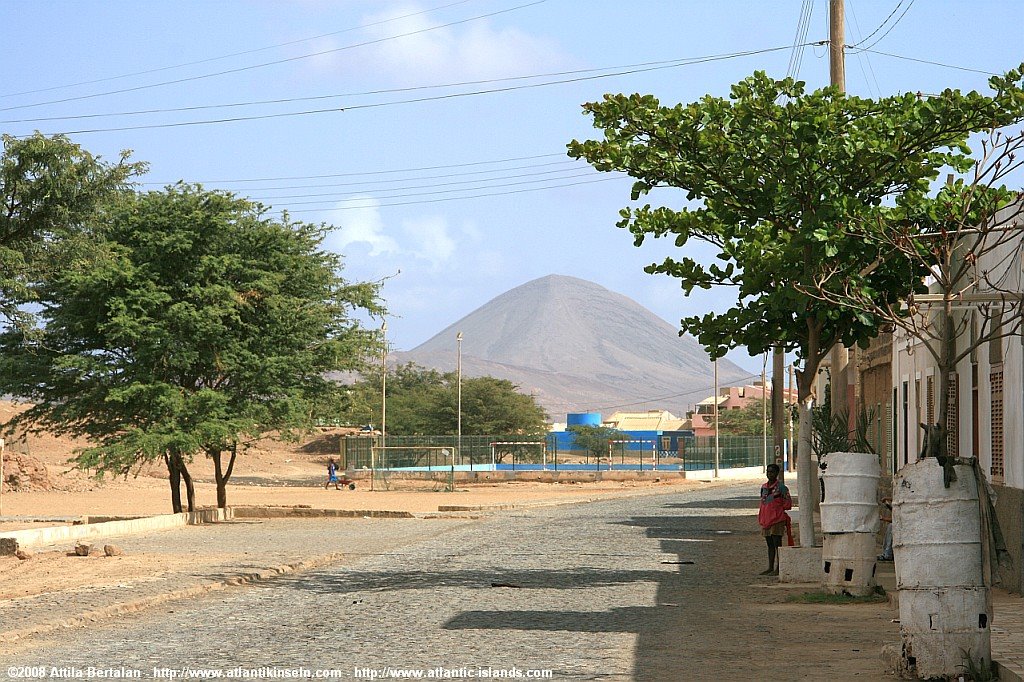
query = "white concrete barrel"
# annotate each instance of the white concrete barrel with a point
(848, 563)
(936, 530)
(850, 493)
(938, 626)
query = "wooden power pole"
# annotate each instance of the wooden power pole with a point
(840, 356)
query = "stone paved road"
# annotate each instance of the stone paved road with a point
(602, 591)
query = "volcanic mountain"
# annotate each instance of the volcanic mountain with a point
(577, 347)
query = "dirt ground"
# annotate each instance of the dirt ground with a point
(272, 473)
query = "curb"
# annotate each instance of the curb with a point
(156, 599)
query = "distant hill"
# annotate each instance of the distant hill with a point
(577, 347)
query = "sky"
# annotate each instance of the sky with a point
(431, 134)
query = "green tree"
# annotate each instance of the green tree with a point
(777, 176)
(489, 406)
(423, 401)
(203, 326)
(50, 190)
(594, 439)
(746, 421)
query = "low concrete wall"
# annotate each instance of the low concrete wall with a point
(299, 512)
(736, 472)
(35, 537)
(565, 476)
(800, 565)
(1010, 512)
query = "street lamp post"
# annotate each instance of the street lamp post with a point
(458, 339)
(383, 398)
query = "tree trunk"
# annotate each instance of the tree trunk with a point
(175, 480)
(807, 473)
(221, 475)
(190, 489)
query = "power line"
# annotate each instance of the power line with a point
(234, 54)
(434, 98)
(927, 61)
(879, 27)
(667, 63)
(436, 201)
(675, 395)
(862, 58)
(441, 176)
(273, 63)
(894, 24)
(799, 40)
(338, 197)
(475, 181)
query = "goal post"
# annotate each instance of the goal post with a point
(513, 445)
(386, 461)
(634, 451)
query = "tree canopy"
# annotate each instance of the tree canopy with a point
(200, 326)
(774, 178)
(422, 401)
(50, 189)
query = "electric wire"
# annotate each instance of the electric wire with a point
(863, 58)
(417, 100)
(442, 176)
(928, 61)
(273, 63)
(234, 54)
(889, 30)
(406, 195)
(668, 63)
(696, 391)
(375, 172)
(475, 181)
(800, 39)
(444, 199)
(879, 27)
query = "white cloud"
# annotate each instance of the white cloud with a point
(472, 51)
(430, 239)
(359, 225)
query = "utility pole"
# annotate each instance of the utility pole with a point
(807, 481)
(458, 341)
(716, 418)
(778, 406)
(840, 356)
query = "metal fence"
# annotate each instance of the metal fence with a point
(437, 451)
(733, 451)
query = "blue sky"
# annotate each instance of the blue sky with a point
(455, 249)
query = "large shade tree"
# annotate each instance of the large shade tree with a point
(424, 401)
(201, 326)
(773, 177)
(50, 190)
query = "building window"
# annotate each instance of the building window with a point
(996, 383)
(930, 401)
(952, 417)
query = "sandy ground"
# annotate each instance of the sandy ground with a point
(274, 473)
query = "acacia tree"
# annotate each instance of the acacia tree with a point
(595, 439)
(203, 326)
(969, 240)
(777, 176)
(50, 189)
(423, 401)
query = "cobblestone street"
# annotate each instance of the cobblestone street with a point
(648, 588)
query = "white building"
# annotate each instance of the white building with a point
(986, 418)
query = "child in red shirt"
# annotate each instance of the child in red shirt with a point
(772, 516)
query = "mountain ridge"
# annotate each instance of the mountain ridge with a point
(577, 347)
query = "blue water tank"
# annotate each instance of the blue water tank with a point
(583, 419)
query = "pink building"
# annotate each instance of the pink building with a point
(702, 419)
